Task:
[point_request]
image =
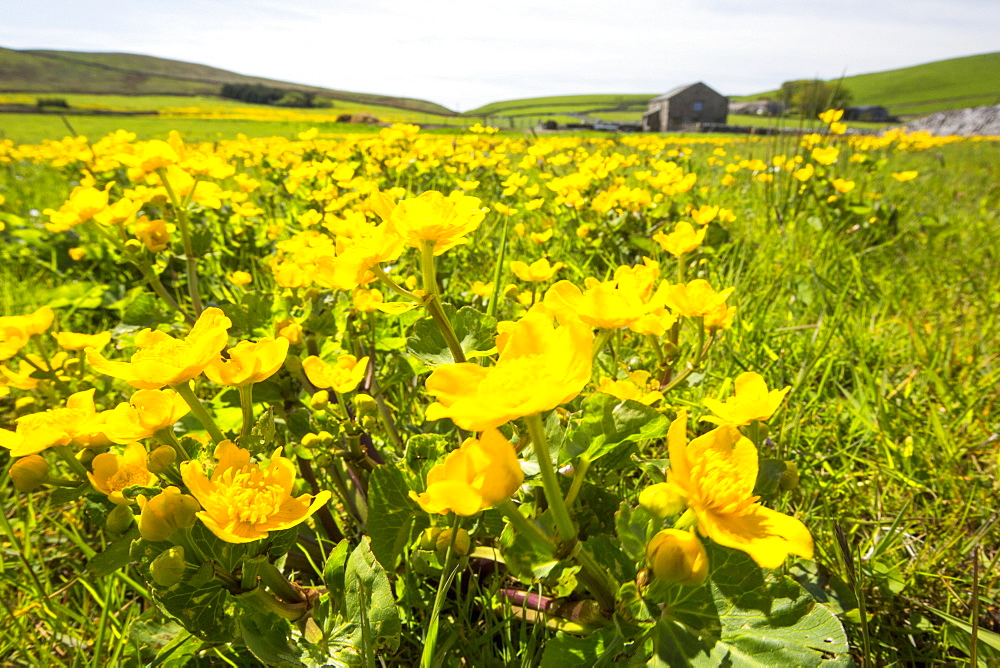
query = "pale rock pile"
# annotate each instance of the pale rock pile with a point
(977, 121)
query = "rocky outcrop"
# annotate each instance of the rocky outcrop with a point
(976, 121)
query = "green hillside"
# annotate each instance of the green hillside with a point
(132, 74)
(956, 83)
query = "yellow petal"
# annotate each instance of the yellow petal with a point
(766, 535)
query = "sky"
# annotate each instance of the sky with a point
(466, 53)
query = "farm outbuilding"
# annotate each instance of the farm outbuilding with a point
(685, 107)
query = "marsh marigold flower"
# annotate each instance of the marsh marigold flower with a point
(480, 474)
(74, 341)
(145, 413)
(905, 176)
(537, 271)
(163, 360)
(752, 401)
(715, 475)
(539, 368)
(436, 219)
(344, 376)
(695, 299)
(243, 502)
(113, 473)
(249, 362)
(682, 240)
(78, 423)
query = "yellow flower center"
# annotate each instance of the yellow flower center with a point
(722, 484)
(126, 477)
(251, 494)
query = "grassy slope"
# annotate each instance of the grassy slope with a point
(125, 73)
(955, 83)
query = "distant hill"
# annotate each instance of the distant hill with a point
(955, 83)
(38, 71)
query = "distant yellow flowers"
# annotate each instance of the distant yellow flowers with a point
(751, 402)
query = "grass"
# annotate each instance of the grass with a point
(886, 331)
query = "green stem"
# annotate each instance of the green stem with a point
(567, 532)
(246, 404)
(393, 285)
(427, 656)
(596, 578)
(285, 610)
(161, 291)
(433, 304)
(67, 456)
(279, 586)
(185, 225)
(602, 338)
(526, 527)
(427, 267)
(581, 470)
(199, 411)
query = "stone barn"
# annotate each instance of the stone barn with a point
(685, 108)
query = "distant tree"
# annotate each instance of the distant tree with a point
(295, 99)
(812, 96)
(43, 102)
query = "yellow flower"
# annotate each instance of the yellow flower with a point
(249, 362)
(113, 473)
(165, 513)
(804, 173)
(153, 155)
(145, 413)
(481, 289)
(752, 401)
(15, 330)
(436, 219)
(541, 237)
(373, 300)
(715, 474)
(695, 299)
(74, 341)
(705, 214)
(78, 423)
(677, 556)
(344, 377)
(537, 271)
(539, 368)
(76, 254)
(838, 128)
(480, 474)
(153, 233)
(240, 278)
(682, 239)
(83, 204)
(904, 176)
(163, 360)
(634, 388)
(289, 329)
(243, 502)
(825, 156)
(611, 305)
(831, 115)
(843, 186)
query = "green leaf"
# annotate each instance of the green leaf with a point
(476, 333)
(769, 472)
(568, 651)
(333, 574)
(391, 514)
(143, 311)
(115, 555)
(252, 313)
(266, 636)
(78, 295)
(610, 425)
(370, 604)
(987, 647)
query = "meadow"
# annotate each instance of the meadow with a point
(309, 397)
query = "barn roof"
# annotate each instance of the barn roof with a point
(671, 93)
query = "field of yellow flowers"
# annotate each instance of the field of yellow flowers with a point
(488, 399)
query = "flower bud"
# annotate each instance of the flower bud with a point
(119, 519)
(86, 456)
(438, 540)
(677, 556)
(160, 459)
(311, 440)
(29, 473)
(789, 480)
(368, 423)
(165, 513)
(365, 404)
(320, 400)
(133, 246)
(168, 568)
(662, 500)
